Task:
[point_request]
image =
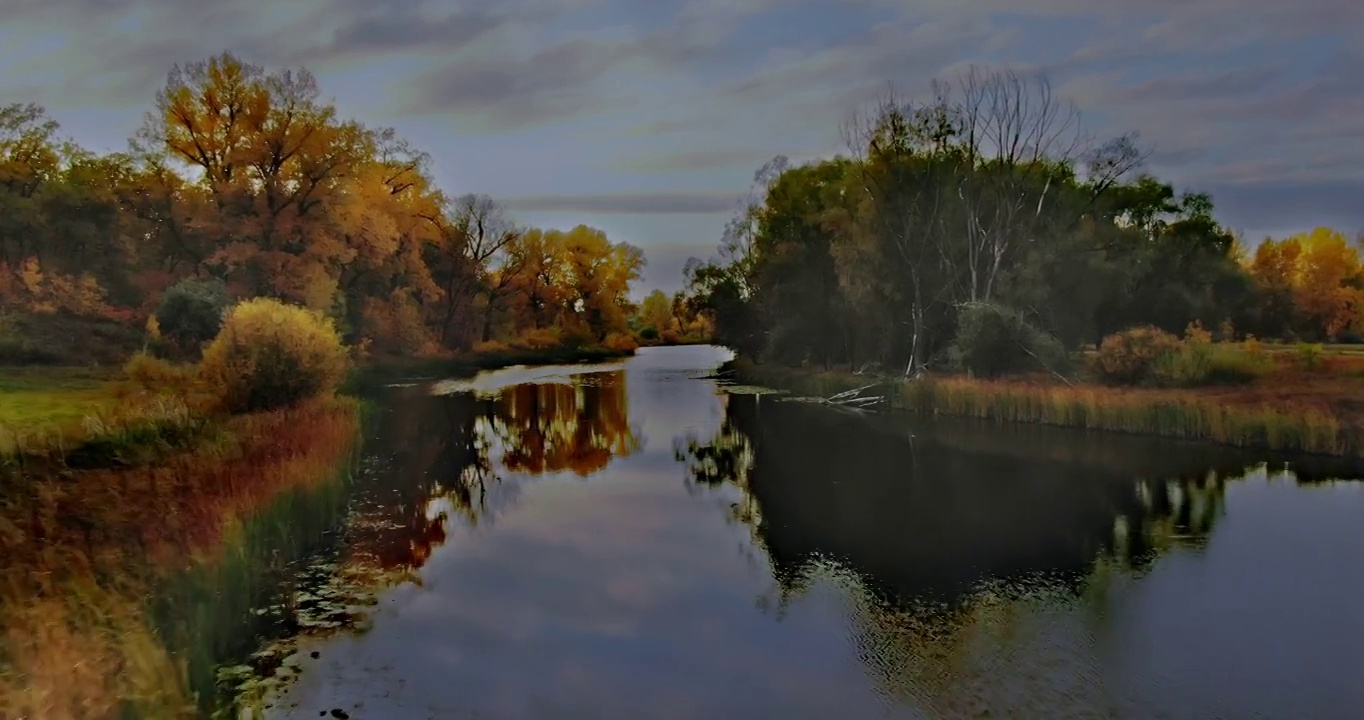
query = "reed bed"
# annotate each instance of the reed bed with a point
(1182, 414)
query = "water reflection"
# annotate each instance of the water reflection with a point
(449, 455)
(919, 518)
(817, 564)
(551, 427)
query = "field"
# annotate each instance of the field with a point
(52, 400)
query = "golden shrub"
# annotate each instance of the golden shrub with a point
(491, 347)
(270, 355)
(621, 342)
(539, 339)
(1195, 332)
(155, 374)
(1130, 356)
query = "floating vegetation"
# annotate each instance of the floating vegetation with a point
(753, 390)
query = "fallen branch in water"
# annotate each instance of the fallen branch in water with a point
(849, 393)
(853, 399)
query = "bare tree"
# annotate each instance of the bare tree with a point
(1016, 141)
(902, 176)
(488, 232)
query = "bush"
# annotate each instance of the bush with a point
(491, 347)
(1197, 364)
(271, 355)
(191, 313)
(154, 373)
(993, 340)
(621, 342)
(576, 339)
(1129, 357)
(538, 339)
(670, 337)
(1310, 355)
(648, 334)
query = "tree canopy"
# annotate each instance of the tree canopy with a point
(990, 193)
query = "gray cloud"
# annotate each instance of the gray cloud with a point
(506, 94)
(702, 158)
(1270, 205)
(661, 203)
(394, 27)
(666, 260)
(1207, 86)
(501, 92)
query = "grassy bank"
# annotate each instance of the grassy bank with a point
(1293, 412)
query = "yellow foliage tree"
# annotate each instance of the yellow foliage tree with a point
(1326, 287)
(1317, 274)
(657, 311)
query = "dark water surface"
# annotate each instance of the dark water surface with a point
(630, 541)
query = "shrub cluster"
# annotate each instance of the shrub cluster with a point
(1150, 356)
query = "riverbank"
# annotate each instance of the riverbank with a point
(1317, 413)
(89, 546)
(142, 532)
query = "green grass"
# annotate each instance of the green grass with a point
(51, 401)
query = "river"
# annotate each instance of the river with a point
(630, 540)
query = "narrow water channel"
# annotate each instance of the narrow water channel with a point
(630, 540)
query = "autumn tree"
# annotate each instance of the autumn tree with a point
(656, 311)
(539, 291)
(1310, 284)
(28, 161)
(1328, 290)
(270, 155)
(599, 274)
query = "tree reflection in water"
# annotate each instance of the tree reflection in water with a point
(950, 543)
(432, 459)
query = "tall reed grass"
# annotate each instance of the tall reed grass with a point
(1168, 413)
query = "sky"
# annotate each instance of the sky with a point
(648, 119)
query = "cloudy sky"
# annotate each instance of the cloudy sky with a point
(648, 118)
